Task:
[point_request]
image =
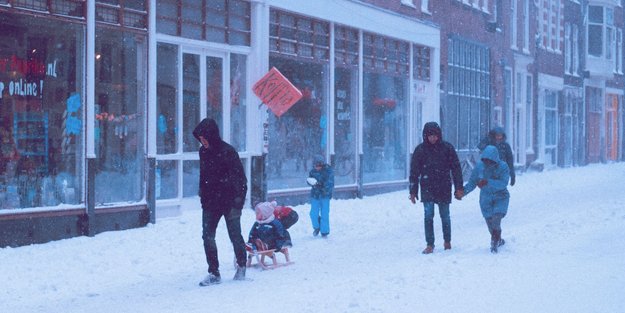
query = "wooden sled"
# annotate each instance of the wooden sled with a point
(263, 253)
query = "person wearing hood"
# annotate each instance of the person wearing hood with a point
(267, 228)
(491, 175)
(222, 190)
(433, 165)
(321, 180)
(497, 137)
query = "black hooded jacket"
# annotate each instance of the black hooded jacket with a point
(223, 184)
(433, 166)
(505, 151)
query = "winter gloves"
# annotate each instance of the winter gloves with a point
(512, 180)
(482, 182)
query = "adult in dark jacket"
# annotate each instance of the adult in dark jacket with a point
(497, 137)
(433, 165)
(223, 187)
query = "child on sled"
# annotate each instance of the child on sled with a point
(272, 222)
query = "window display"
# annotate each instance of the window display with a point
(301, 132)
(41, 112)
(119, 126)
(385, 92)
(166, 89)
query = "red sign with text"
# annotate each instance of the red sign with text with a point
(277, 92)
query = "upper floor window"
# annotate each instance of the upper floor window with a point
(222, 21)
(551, 20)
(600, 31)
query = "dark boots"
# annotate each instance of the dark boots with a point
(496, 241)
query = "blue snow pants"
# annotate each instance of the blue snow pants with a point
(320, 214)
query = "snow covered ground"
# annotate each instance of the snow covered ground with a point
(564, 252)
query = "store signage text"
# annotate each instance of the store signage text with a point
(18, 67)
(277, 92)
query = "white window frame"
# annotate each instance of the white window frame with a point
(425, 6)
(513, 25)
(485, 8)
(408, 3)
(618, 66)
(567, 48)
(526, 26)
(529, 110)
(575, 60)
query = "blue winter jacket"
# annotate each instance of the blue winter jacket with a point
(325, 182)
(495, 190)
(272, 233)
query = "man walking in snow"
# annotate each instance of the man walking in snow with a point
(223, 187)
(433, 165)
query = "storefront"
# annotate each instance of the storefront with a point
(55, 181)
(367, 88)
(99, 143)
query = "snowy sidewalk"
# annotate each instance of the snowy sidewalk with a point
(564, 252)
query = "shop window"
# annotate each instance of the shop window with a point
(346, 46)
(120, 113)
(293, 35)
(69, 8)
(167, 91)
(166, 179)
(222, 21)
(191, 100)
(126, 13)
(385, 92)
(238, 100)
(385, 55)
(421, 63)
(41, 112)
(301, 132)
(345, 104)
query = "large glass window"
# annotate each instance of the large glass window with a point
(222, 21)
(41, 112)
(299, 48)
(301, 132)
(595, 30)
(385, 92)
(465, 114)
(167, 93)
(238, 100)
(345, 104)
(120, 114)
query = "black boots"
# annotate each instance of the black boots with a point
(496, 241)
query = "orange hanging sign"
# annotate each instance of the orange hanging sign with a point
(277, 92)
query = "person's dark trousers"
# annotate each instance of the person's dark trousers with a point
(210, 220)
(428, 221)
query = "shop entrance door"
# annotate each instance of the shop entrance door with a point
(202, 96)
(195, 92)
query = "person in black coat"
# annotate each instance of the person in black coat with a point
(497, 137)
(433, 165)
(222, 190)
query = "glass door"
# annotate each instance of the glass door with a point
(190, 88)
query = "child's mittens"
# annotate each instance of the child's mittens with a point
(311, 181)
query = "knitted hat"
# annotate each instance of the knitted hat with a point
(264, 211)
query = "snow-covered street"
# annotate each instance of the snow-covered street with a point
(564, 252)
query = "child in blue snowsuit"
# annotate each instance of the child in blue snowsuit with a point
(491, 175)
(321, 179)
